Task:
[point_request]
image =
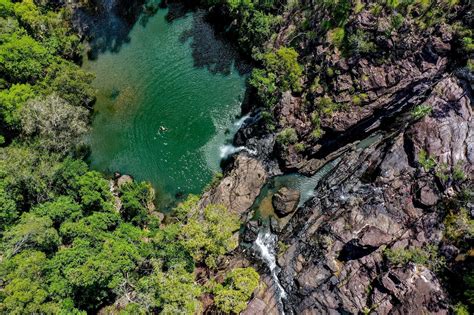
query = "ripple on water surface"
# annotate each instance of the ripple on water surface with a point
(176, 76)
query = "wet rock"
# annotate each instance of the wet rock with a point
(285, 201)
(274, 225)
(250, 232)
(369, 202)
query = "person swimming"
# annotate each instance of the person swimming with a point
(163, 128)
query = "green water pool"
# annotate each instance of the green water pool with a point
(165, 102)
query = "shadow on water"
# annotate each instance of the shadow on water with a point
(210, 49)
(218, 56)
(108, 26)
(108, 30)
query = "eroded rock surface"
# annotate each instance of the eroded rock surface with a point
(239, 188)
(377, 198)
(285, 201)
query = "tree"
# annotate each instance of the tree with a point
(23, 59)
(208, 233)
(58, 125)
(281, 72)
(8, 208)
(71, 82)
(27, 174)
(93, 227)
(12, 101)
(136, 197)
(61, 209)
(25, 290)
(93, 192)
(236, 291)
(173, 291)
(256, 28)
(31, 232)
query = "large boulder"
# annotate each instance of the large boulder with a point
(239, 188)
(285, 201)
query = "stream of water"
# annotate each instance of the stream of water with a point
(266, 243)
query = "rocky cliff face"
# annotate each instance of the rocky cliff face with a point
(378, 198)
(373, 238)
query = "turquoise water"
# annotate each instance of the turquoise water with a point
(165, 102)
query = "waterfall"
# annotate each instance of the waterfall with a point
(265, 243)
(239, 123)
(227, 150)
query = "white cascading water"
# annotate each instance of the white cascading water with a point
(240, 122)
(265, 243)
(228, 149)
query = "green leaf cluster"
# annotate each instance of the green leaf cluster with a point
(232, 296)
(281, 72)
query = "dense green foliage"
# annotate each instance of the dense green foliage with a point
(238, 286)
(36, 45)
(281, 73)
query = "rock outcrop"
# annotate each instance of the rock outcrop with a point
(285, 201)
(240, 186)
(394, 108)
(378, 199)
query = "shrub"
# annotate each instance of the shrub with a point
(326, 105)
(460, 309)
(468, 44)
(397, 21)
(300, 147)
(237, 289)
(317, 133)
(458, 172)
(287, 136)
(459, 225)
(420, 111)
(427, 256)
(330, 72)
(359, 43)
(356, 100)
(426, 161)
(392, 4)
(336, 36)
(470, 65)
